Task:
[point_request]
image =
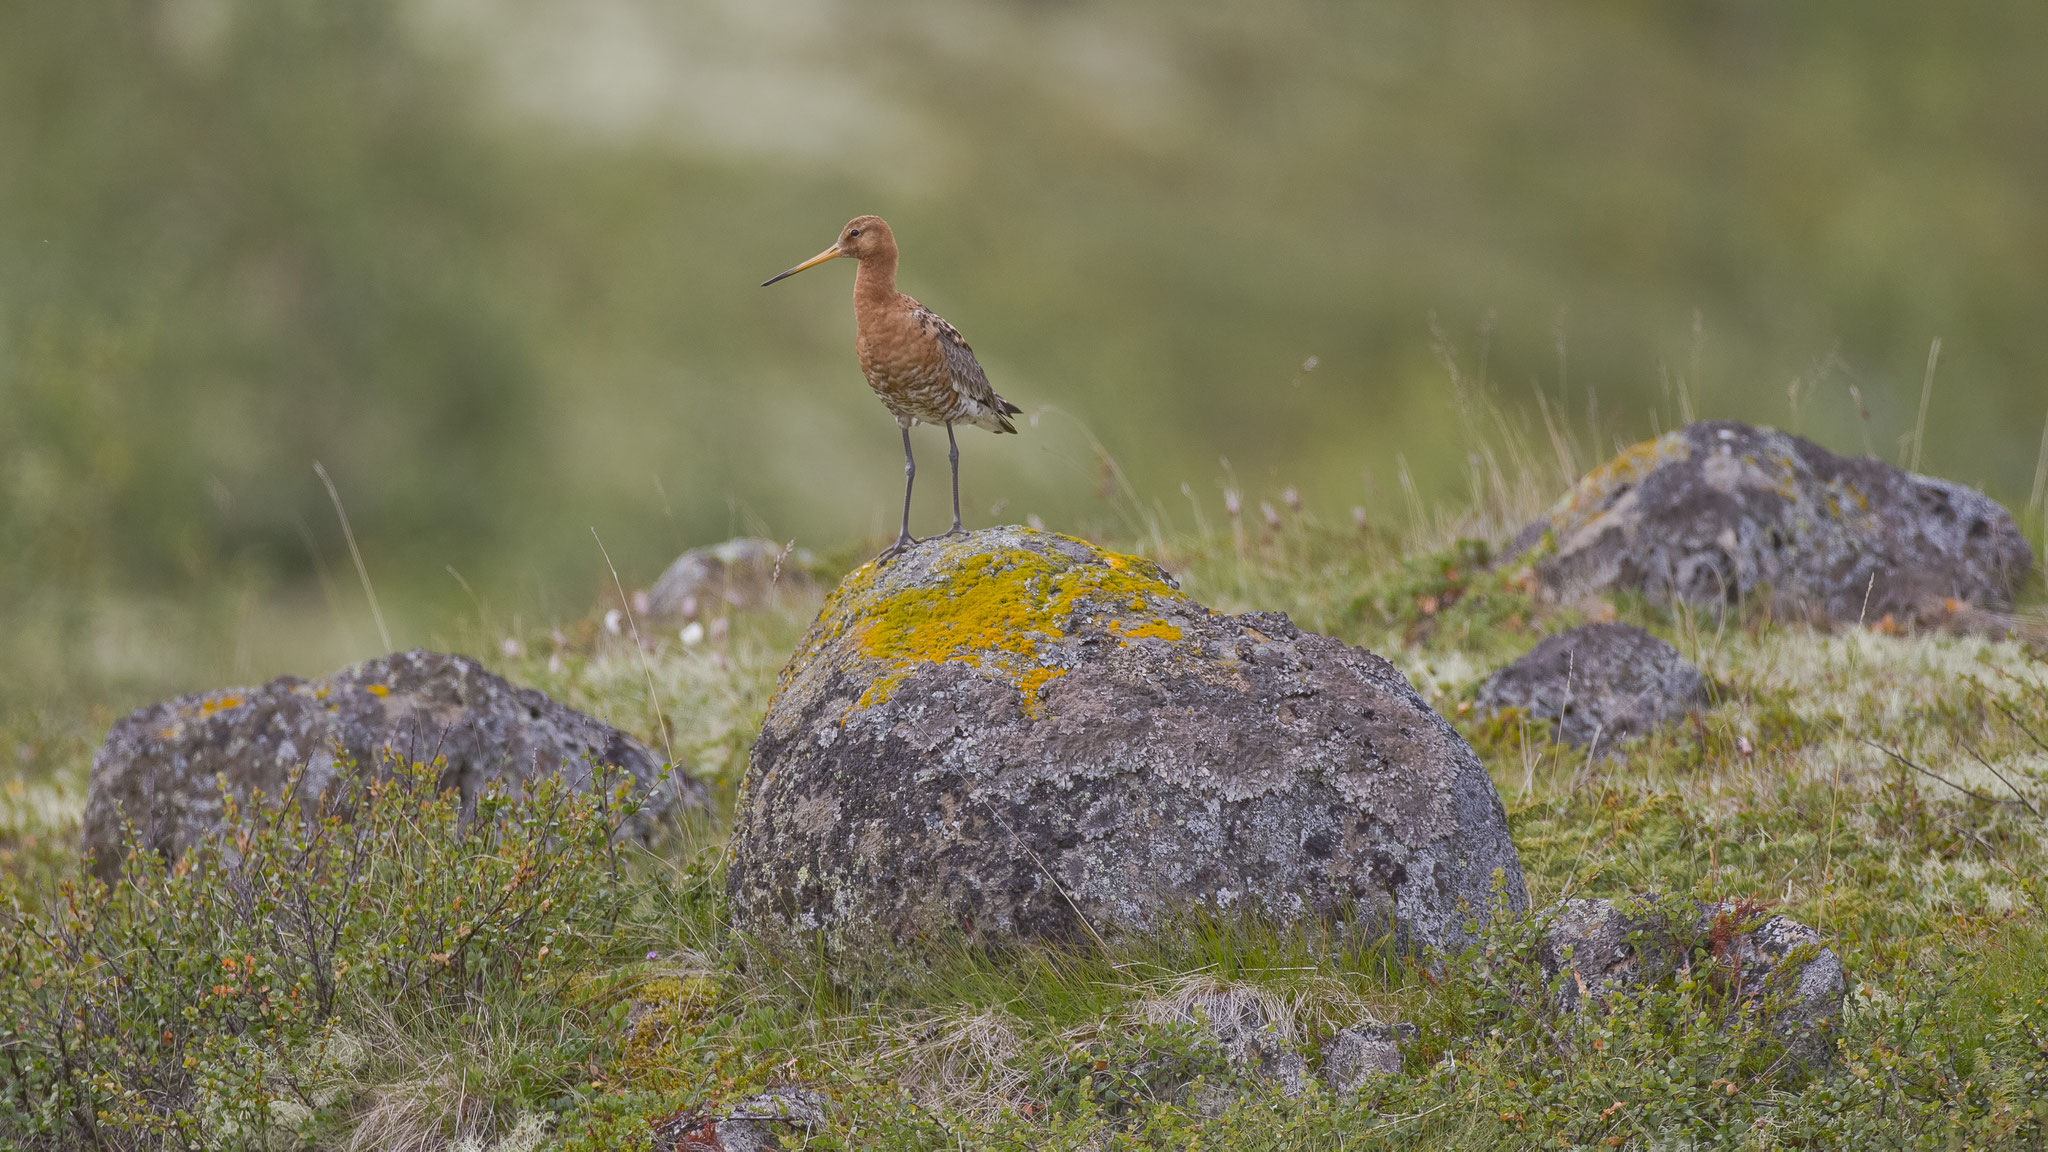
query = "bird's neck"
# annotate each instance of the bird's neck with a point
(876, 279)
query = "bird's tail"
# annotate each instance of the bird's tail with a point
(1005, 410)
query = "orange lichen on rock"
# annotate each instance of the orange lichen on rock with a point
(216, 704)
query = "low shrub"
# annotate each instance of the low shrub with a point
(195, 1003)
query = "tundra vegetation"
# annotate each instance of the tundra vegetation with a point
(408, 980)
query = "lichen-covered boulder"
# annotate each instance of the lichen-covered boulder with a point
(161, 766)
(1597, 684)
(741, 573)
(1017, 735)
(1719, 512)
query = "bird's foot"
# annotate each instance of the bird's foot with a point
(902, 543)
(956, 532)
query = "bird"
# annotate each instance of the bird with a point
(918, 365)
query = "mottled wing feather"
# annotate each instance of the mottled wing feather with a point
(986, 408)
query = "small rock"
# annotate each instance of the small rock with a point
(1598, 683)
(1809, 997)
(158, 767)
(1246, 1028)
(1017, 735)
(1362, 1051)
(755, 1124)
(1599, 945)
(1241, 1025)
(736, 575)
(1719, 512)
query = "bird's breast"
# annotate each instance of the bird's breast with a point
(912, 382)
(899, 351)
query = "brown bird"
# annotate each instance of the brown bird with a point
(917, 363)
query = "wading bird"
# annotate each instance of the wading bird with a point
(916, 362)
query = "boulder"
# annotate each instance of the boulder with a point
(1017, 735)
(1770, 963)
(1719, 512)
(159, 767)
(1357, 1054)
(1598, 684)
(739, 574)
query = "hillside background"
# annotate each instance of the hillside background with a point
(494, 264)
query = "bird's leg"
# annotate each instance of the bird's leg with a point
(953, 456)
(903, 537)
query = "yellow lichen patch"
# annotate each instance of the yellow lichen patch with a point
(995, 612)
(378, 690)
(1030, 682)
(1155, 629)
(1626, 470)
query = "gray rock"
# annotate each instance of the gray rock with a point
(1598, 683)
(757, 1123)
(1784, 964)
(1251, 1040)
(158, 767)
(1017, 735)
(1598, 945)
(739, 574)
(1771, 964)
(1357, 1054)
(1718, 512)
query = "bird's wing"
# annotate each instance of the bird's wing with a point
(968, 378)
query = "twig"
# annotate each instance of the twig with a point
(2020, 724)
(1974, 755)
(1411, 1116)
(1050, 878)
(1930, 774)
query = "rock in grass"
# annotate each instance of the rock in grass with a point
(739, 574)
(1772, 964)
(1719, 512)
(1017, 735)
(1357, 1054)
(1597, 684)
(159, 766)
(1244, 1026)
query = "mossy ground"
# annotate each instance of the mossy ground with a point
(1886, 789)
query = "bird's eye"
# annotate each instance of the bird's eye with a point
(853, 231)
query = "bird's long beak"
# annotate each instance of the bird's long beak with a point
(813, 262)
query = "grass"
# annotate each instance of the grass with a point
(1886, 789)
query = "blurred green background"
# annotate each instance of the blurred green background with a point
(494, 263)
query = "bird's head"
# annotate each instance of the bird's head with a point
(864, 237)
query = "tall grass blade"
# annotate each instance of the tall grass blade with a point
(362, 572)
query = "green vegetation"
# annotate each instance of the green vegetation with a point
(1883, 788)
(494, 266)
